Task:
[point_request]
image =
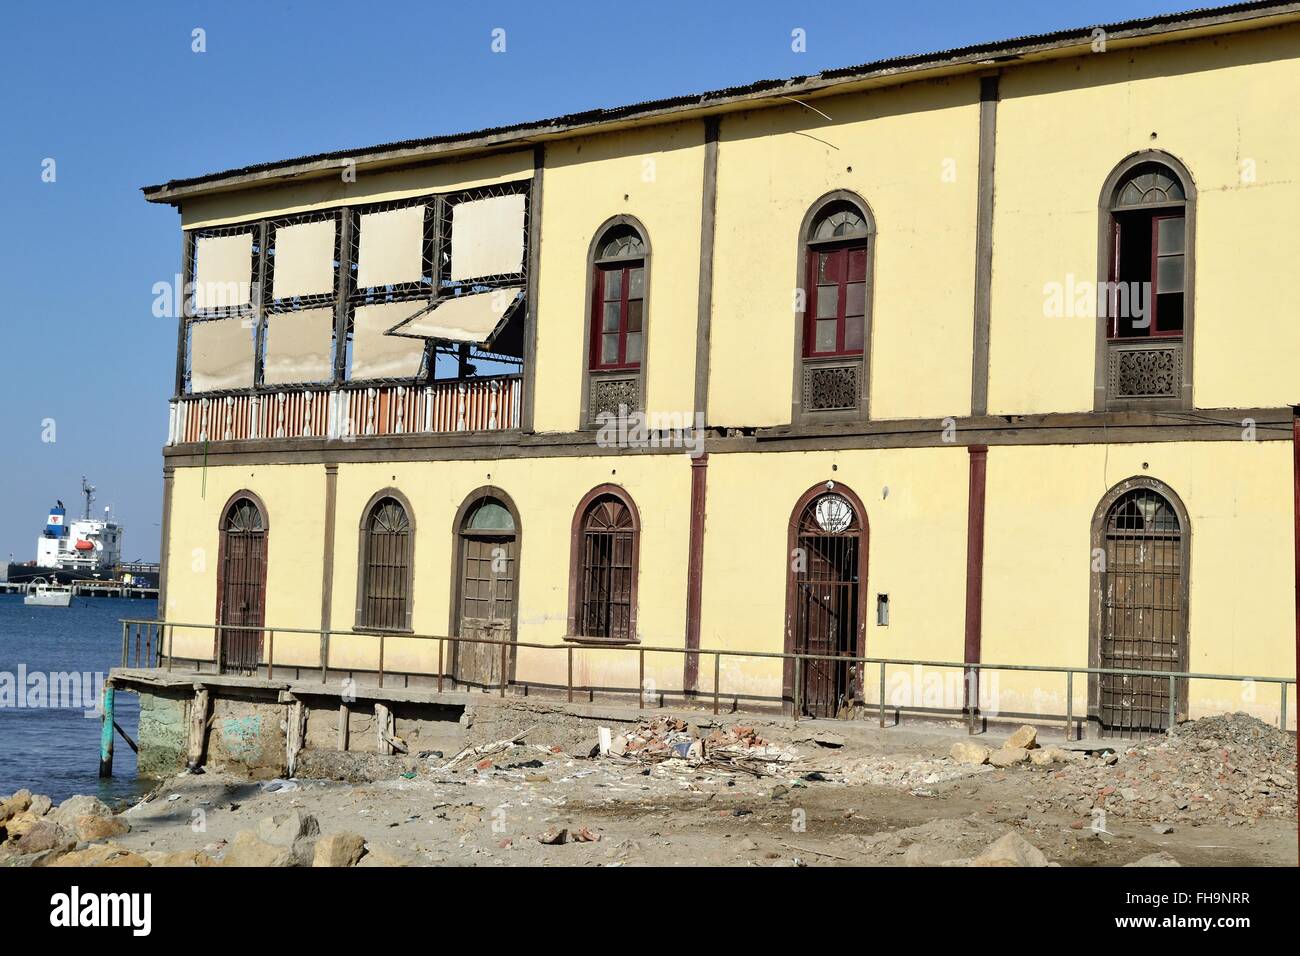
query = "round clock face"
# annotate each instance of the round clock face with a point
(833, 513)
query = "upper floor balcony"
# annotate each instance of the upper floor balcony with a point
(348, 411)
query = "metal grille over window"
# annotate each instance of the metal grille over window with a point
(1143, 612)
(825, 568)
(241, 587)
(386, 594)
(608, 549)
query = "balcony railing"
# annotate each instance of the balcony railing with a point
(348, 412)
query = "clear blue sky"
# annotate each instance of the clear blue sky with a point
(113, 93)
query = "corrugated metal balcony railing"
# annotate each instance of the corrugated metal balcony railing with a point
(348, 412)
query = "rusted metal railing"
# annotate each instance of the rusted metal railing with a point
(143, 646)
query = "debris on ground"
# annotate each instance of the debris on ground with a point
(667, 738)
(1229, 768)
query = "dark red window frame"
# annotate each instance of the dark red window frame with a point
(850, 268)
(625, 299)
(1154, 218)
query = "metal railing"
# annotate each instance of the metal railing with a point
(349, 411)
(143, 646)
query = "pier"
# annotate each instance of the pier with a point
(93, 589)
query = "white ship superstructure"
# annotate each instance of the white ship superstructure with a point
(84, 546)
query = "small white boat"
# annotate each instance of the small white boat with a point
(43, 594)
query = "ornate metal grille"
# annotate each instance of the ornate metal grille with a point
(609, 394)
(1143, 612)
(830, 387)
(1148, 372)
(605, 578)
(825, 568)
(385, 595)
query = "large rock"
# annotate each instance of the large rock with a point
(19, 824)
(1026, 738)
(1010, 850)
(67, 812)
(1155, 859)
(1048, 755)
(249, 850)
(12, 806)
(101, 854)
(379, 855)
(91, 828)
(41, 805)
(339, 849)
(1008, 756)
(930, 854)
(179, 858)
(295, 831)
(45, 835)
(968, 752)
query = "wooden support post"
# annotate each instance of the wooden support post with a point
(296, 735)
(345, 715)
(106, 735)
(198, 728)
(384, 726)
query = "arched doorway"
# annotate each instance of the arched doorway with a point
(1141, 540)
(484, 601)
(241, 584)
(826, 599)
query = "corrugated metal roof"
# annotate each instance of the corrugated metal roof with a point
(1008, 47)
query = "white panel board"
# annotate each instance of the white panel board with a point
(378, 355)
(221, 354)
(487, 237)
(304, 259)
(391, 247)
(223, 271)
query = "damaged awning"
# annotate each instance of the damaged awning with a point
(477, 318)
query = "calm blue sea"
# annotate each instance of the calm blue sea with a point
(55, 749)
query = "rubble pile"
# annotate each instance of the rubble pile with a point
(668, 738)
(1230, 768)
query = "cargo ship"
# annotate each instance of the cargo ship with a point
(83, 549)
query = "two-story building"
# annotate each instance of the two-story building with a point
(977, 356)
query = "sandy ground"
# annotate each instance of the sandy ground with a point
(889, 798)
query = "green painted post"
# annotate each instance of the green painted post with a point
(106, 735)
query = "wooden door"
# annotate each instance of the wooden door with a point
(826, 609)
(241, 587)
(1143, 614)
(487, 608)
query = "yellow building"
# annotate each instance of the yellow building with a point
(983, 356)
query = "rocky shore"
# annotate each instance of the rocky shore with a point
(1217, 791)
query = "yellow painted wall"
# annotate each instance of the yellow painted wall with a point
(294, 496)
(546, 491)
(1062, 128)
(655, 175)
(367, 187)
(912, 154)
(1040, 503)
(1038, 572)
(917, 553)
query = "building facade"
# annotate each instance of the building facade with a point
(980, 356)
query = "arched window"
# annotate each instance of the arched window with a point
(603, 573)
(825, 598)
(617, 312)
(241, 583)
(1139, 617)
(386, 564)
(485, 587)
(1146, 302)
(835, 325)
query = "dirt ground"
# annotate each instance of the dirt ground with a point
(875, 797)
